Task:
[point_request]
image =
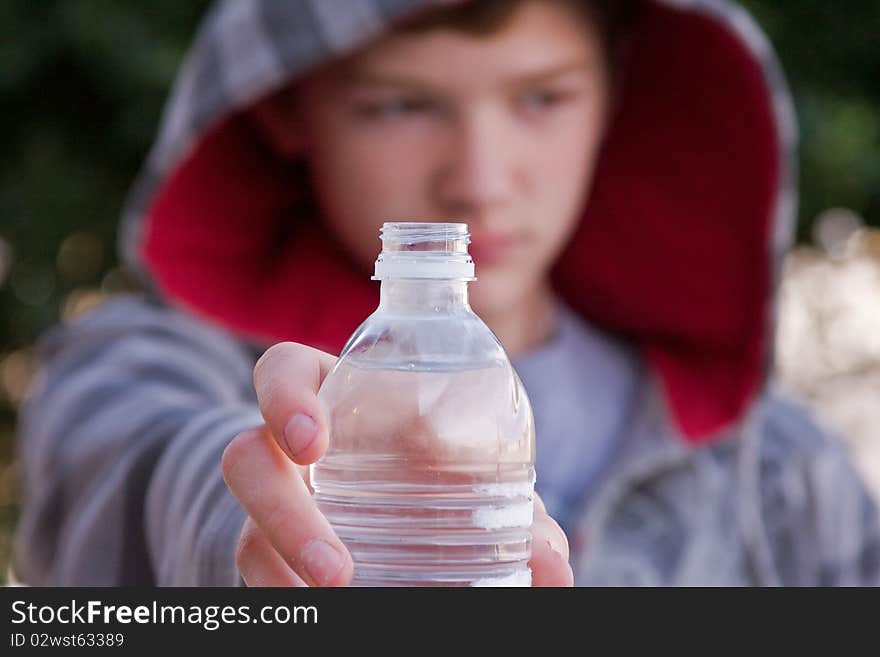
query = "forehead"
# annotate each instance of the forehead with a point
(539, 38)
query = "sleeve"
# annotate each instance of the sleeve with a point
(119, 445)
(848, 530)
(838, 516)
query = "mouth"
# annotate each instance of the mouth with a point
(494, 248)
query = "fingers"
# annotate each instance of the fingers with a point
(259, 563)
(549, 562)
(272, 491)
(287, 378)
(539, 504)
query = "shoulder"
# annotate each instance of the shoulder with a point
(138, 323)
(809, 481)
(792, 444)
(133, 342)
(129, 313)
(791, 436)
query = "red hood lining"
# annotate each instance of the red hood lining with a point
(672, 252)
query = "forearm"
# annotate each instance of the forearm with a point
(192, 520)
(120, 396)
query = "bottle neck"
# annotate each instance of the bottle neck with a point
(411, 296)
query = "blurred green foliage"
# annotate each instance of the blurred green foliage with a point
(81, 90)
(82, 83)
(831, 56)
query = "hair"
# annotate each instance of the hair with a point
(611, 20)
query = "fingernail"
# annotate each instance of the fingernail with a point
(299, 433)
(557, 548)
(321, 561)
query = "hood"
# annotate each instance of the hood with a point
(678, 251)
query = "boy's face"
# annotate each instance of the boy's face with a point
(498, 131)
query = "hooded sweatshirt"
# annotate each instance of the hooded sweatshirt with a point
(661, 445)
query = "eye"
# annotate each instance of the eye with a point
(544, 99)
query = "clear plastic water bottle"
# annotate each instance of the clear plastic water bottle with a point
(429, 475)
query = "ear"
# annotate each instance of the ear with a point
(276, 118)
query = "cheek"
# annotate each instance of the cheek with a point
(562, 165)
(362, 182)
(564, 157)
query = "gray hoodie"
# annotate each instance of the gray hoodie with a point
(705, 476)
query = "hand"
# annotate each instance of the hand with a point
(286, 541)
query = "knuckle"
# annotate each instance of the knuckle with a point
(276, 352)
(269, 356)
(278, 382)
(237, 450)
(271, 353)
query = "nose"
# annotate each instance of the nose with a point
(478, 171)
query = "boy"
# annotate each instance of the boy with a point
(608, 182)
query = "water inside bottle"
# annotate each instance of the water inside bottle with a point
(428, 479)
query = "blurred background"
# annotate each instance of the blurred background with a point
(82, 83)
